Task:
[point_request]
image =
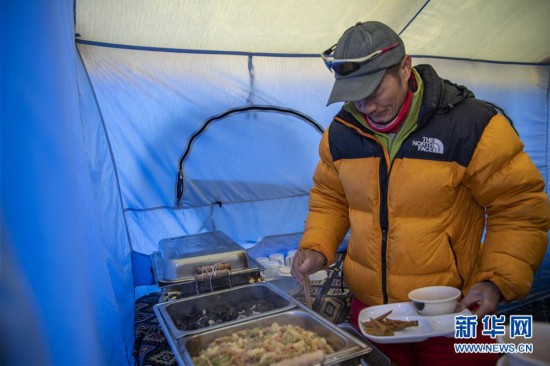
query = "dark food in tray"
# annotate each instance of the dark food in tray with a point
(222, 307)
(200, 316)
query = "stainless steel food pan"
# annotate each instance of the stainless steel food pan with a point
(346, 347)
(221, 308)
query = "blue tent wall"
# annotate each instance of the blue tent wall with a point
(154, 100)
(66, 289)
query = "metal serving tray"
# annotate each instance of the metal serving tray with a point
(178, 258)
(346, 346)
(177, 316)
(375, 356)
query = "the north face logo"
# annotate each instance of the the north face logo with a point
(429, 144)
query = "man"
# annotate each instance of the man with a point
(416, 168)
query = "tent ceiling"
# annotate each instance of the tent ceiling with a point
(496, 30)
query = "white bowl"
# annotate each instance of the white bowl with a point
(435, 300)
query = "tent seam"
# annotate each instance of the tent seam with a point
(462, 59)
(281, 55)
(414, 17)
(111, 155)
(217, 203)
(191, 51)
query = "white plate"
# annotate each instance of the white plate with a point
(428, 326)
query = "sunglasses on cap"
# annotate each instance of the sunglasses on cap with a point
(347, 66)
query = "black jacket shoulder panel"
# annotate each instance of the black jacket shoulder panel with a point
(346, 143)
(450, 125)
(452, 135)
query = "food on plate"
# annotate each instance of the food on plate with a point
(265, 346)
(383, 326)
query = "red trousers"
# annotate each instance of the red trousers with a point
(433, 351)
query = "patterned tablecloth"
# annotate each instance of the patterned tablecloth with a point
(331, 299)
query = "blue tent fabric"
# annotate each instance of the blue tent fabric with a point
(66, 285)
(90, 140)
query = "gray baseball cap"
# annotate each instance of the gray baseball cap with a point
(357, 42)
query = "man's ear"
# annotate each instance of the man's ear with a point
(406, 68)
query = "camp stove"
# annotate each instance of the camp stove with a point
(193, 265)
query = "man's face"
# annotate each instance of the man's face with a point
(386, 101)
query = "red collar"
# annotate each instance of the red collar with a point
(394, 125)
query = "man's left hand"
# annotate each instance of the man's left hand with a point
(482, 299)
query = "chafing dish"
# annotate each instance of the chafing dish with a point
(195, 264)
(221, 308)
(346, 347)
(176, 266)
(187, 343)
(375, 356)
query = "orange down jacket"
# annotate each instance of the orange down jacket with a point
(419, 220)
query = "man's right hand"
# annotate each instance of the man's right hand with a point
(306, 262)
